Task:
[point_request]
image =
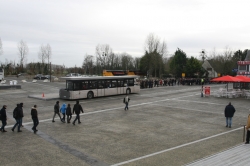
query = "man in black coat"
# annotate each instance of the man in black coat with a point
(56, 112)
(3, 118)
(17, 114)
(77, 108)
(34, 117)
(229, 113)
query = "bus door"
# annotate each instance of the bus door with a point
(93, 87)
(100, 88)
(119, 86)
(110, 87)
(77, 90)
(114, 87)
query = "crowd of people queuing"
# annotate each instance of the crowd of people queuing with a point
(18, 115)
(150, 83)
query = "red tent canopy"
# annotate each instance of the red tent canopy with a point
(243, 78)
(227, 78)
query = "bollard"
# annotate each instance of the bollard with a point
(244, 133)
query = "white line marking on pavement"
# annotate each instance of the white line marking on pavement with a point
(100, 111)
(189, 109)
(176, 147)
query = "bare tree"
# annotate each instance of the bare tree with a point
(152, 43)
(103, 55)
(22, 51)
(88, 64)
(1, 47)
(42, 54)
(228, 53)
(203, 55)
(48, 52)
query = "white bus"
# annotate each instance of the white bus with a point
(89, 87)
(1, 74)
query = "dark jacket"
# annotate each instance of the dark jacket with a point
(77, 108)
(18, 111)
(3, 113)
(229, 110)
(56, 108)
(68, 111)
(33, 112)
(21, 111)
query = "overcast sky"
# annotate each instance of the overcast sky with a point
(73, 28)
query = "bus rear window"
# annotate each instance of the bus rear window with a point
(69, 85)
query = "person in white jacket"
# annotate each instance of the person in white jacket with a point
(125, 101)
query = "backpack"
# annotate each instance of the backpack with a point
(15, 113)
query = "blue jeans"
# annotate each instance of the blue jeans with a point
(3, 124)
(18, 122)
(126, 106)
(229, 121)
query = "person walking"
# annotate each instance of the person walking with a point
(34, 117)
(17, 114)
(21, 109)
(229, 113)
(77, 108)
(63, 111)
(3, 118)
(125, 101)
(68, 113)
(248, 129)
(56, 111)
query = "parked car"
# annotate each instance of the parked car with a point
(39, 77)
(48, 76)
(73, 75)
(21, 74)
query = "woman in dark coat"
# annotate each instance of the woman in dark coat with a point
(68, 113)
(3, 118)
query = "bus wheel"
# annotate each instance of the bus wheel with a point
(128, 91)
(90, 95)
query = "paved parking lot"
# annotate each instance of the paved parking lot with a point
(163, 126)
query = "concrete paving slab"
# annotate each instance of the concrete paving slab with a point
(47, 96)
(163, 126)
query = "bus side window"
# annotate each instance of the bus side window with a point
(108, 84)
(114, 83)
(100, 84)
(118, 83)
(77, 86)
(94, 84)
(125, 83)
(85, 85)
(131, 82)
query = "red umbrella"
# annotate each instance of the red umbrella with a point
(227, 78)
(243, 78)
